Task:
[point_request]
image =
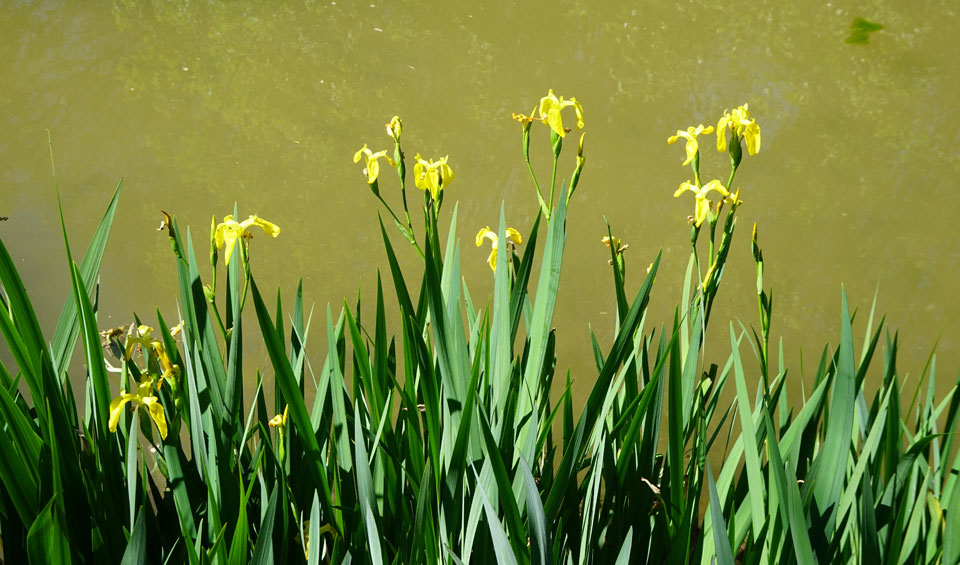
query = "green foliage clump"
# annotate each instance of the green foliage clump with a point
(444, 444)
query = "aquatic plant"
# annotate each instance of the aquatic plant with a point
(450, 443)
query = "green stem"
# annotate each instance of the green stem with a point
(402, 173)
(213, 285)
(216, 315)
(543, 205)
(733, 172)
(553, 178)
(397, 220)
(713, 237)
(389, 209)
(246, 275)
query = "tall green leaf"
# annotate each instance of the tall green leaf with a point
(825, 476)
(298, 410)
(749, 435)
(68, 324)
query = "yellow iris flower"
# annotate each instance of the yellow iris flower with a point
(154, 348)
(512, 235)
(394, 129)
(432, 176)
(229, 231)
(703, 203)
(550, 106)
(143, 397)
(141, 337)
(691, 136)
(279, 421)
(618, 246)
(170, 370)
(373, 166)
(739, 121)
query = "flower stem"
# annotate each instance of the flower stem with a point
(216, 315)
(733, 172)
(246, 276)
(543, 205)
(553, 179)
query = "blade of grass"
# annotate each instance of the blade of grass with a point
(539, 329)
(791, 506)
(536, 519)
(501, 546)
(298, 411)
(68, 328)
(749, 435)
(313, 551)
(721, 543)
(47, 540)
(136, 552)
(825, 478)
(365, 490)
(263, 552)
(504, 487)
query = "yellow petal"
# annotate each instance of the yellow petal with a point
(714, 185)
(418, 176)
(485, 233)
(116, 408)
(722, 133)
(514, 235)
(230, 236)
(373, 165)
(579, 111)
(170, 371)
(218, 235)
(268, 227)
(432, 181)
(703, 206)
(492, 259)
(373, 171)
(684, 186)
(446, 172)
(547, 102)
(155, 409)
(550, 107)
(752, 137)
(692, 149)
(555, 122)
(276, 421)
(359, 154)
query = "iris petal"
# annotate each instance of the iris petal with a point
(155, 409)
(116, 408)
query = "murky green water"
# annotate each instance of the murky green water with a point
(198, 106)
